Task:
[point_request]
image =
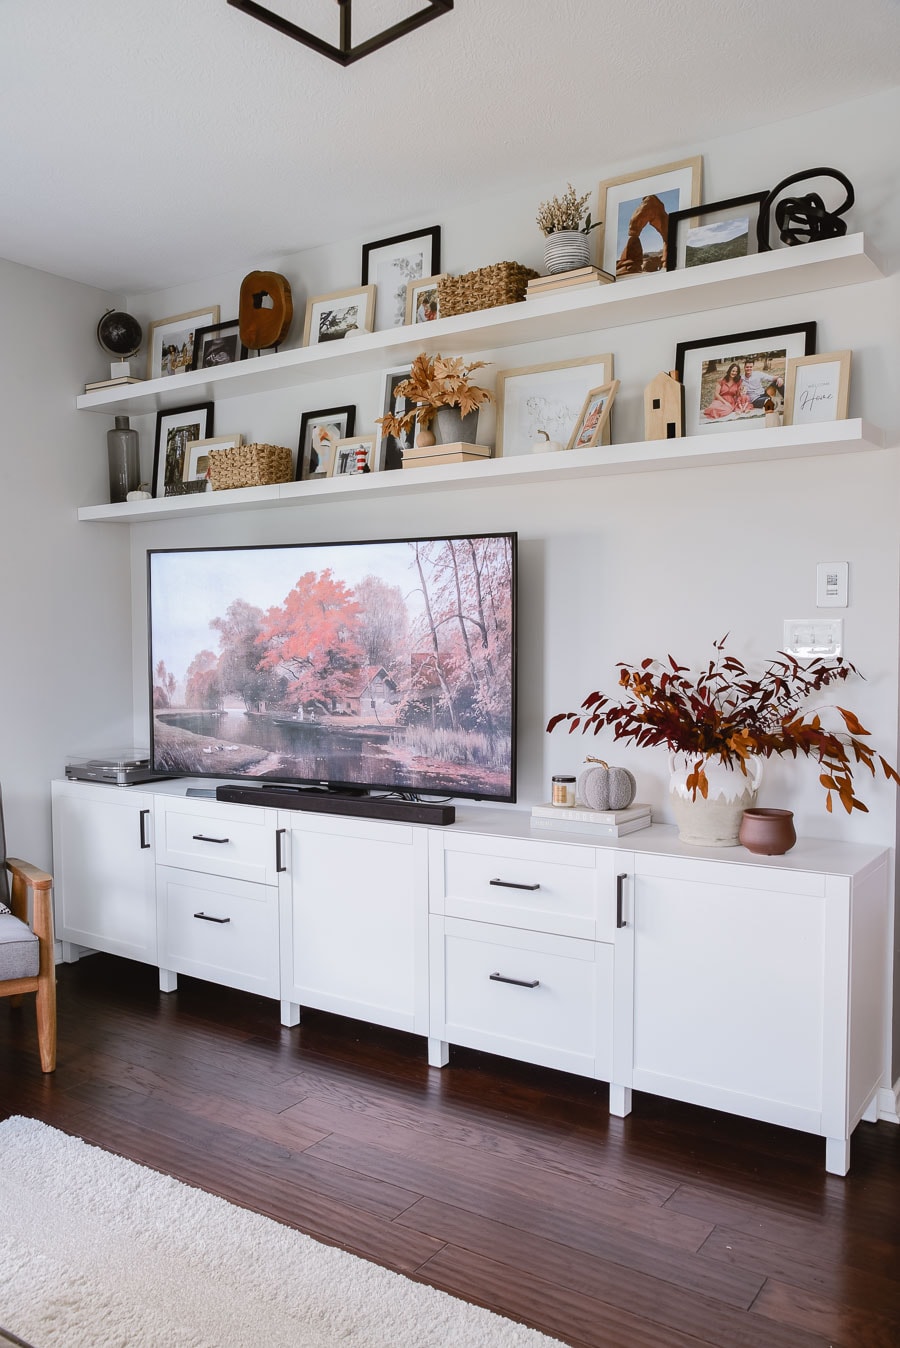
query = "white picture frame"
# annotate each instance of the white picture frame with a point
(817, 388)
(547, 398)
(352, 456)
(341, 313)
(196, 457)
(677, 186)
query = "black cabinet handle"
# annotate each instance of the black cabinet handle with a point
(519, 982)
(201, 837)
(620, 897)
(144, 816)
(511, 884)
(279, 859)
(205, 917)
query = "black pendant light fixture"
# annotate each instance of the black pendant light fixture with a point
(345, 53)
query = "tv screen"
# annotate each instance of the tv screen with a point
(386, 665)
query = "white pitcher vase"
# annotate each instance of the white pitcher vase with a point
(713, 821)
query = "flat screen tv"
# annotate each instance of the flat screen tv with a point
(385, 666)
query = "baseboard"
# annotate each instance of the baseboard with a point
(889, 1103)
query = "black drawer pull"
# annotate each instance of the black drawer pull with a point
(620, 886)
(279, 859)
(519, 982)
(206, 918)
(202, 837)
(512, 884)
(144, 816)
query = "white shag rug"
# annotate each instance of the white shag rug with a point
(97, 1252)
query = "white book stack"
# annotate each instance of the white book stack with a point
(602, 823)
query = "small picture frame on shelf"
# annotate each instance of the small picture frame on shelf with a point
(218, 344)
(389, 449)
(817, 388)
(594, 416)
(175, 430)
(728, 380)
(546, 398)
(196, 458)
(319, 433)
(170, 341)
(331, 318)
(392, 263)
(352, 456)
(422, 300)
(634, 210)
(723, 229)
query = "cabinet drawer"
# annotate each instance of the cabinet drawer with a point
(219, 929)
(217, 838)
(542, 999)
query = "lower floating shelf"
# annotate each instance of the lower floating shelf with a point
(852, 436)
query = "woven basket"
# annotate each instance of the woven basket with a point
(249, 466)
(503, 283)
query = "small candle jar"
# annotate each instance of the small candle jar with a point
(563, 791)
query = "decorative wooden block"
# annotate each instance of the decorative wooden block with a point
(664, 408)
(265, 309)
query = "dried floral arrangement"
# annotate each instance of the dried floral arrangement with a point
(726, 714)
(435, 382)
(565, 213)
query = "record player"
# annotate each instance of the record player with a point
(127, 768)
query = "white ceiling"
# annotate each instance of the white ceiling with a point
(147, 144)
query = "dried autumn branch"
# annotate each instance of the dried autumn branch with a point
(441, 381)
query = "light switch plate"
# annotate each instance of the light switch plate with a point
(832, 584)
(810, 637)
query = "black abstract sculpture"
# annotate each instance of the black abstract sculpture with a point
(804, 219)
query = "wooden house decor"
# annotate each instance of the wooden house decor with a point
(664, 408)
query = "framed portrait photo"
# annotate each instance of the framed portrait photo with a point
(319, 433)
(594, 416)
(712, 233)
(547, 398)
(196, 458)
(389, 449)
(817, 388)
(170, 341)
(354, 455)
(390, 264)
(422, 302)
(634, 211)
(728, 380)
(175, 430)
(218, 344)
(331, 318)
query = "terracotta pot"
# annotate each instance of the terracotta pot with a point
(769, 833)
(714, 821)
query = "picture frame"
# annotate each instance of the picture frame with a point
(170, 341)
(714, 232)
(332, 317)
(218, 344)
(594, 416)
(546, 397)
(349, 453)
(422, 302)
(175, 429)
(196, 458)
(625, 250)
(714, 397)
(319, 433)
(817, 388)
(390, 264)
(389, 449)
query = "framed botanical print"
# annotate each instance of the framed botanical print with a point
(545, 398)
(728, 380)
(353, 455)
(175, 430)
(817, 388)
(634, 211)
(390, 264)
(594, 416)
(196, 458)
(319, 433)
(330, 318)
(218, 344)
(723, 229)
(422, 300)
(170, 342)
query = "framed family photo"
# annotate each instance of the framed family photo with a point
(330, 318)
(218, 344)
(634, 212)
(390, 264)
(389, 449)
(711, 233)
(422, 301)
(817, 388)
(196, 458)
(319, 433)
(170, 341)
(594, 416)
(728, 380)
(175, 430)
(354, 455)
(546, 398)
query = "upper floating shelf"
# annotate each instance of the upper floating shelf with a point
(786, 271)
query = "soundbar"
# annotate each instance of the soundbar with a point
(332, 802)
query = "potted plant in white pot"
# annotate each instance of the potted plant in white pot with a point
(566, 225)
(439, 385)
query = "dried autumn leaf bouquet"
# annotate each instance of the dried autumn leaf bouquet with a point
(435, 382)
(565, 213)
(724, 713)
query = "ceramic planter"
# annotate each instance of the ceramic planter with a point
(450, 427)
(716, 820)
(566, 250)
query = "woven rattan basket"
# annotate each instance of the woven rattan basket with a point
(249, 466)
(503, 283)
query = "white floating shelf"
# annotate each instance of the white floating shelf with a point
(716, 448)
(785, 271)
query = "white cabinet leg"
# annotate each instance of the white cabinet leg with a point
(69, 952)
(870, 1114)
(619, 1100)
(290, 1014)
(837, 1155)
(438, 1053)
(168, 981)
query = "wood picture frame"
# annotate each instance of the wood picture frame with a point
(218, 344)
(422, 302)
(548, 397)
(390, 264)
(175, 429)
(714, 232)
(319, 433)
(716, 397)
(628, 232)
(196, 457)
(594, 416)
(332, 317)
(170, 341)
(350, 453)
(817, 388)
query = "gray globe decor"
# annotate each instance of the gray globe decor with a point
(566, 249)
(119, 334)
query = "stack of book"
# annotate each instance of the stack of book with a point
(602, 823)
(112, 383)
(582, 278)
(427, 456)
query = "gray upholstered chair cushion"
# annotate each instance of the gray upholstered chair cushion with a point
(20, 954)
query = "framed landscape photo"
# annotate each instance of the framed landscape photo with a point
(170, 341)
(594, 416)
(354, 455)
(634, 211)
(196, 458)
(728, 380)
(389, 449)
(547, 398)
(218, 344)
(390, 264)
(330, 318)
(817, 388)
(175, 430)
(711, 233)
(422, 302)
(319, 433)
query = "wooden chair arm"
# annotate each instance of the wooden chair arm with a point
(31, 875)
(25, 877)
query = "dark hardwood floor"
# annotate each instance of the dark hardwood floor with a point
(507, 1185)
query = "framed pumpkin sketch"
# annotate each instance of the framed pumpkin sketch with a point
(545, 398)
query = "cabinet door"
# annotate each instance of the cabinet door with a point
(104, 882)
(219, 929)
(354, 936)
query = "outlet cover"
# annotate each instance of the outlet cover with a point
(811, 637)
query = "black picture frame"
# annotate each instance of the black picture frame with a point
(693, 360)
(386, 264)
(231, 351)
(678, 219)
(193, 422)
(308, 421)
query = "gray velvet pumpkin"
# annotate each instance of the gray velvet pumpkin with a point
(601, 787)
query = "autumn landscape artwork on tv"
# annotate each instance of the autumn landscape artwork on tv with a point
(386, 665)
